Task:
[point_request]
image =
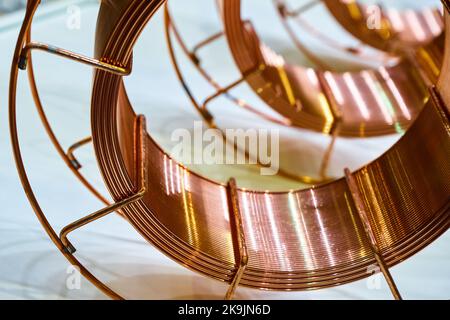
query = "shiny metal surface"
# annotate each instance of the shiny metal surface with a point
(295, 240)
(444, 79)
(400, 29)
(366, 103)
(298, 17)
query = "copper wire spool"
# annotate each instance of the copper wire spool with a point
(308, 239)
(393, 31)
(360, 104)
(399, 28)
(372, 102)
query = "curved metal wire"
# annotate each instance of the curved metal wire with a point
(389, 190)
(208, 118)
(67, 157)
(32, 6)
(286, 13)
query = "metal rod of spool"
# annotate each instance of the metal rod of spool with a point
(142, 182)
(311, 56)
(356, 50)
(285, 14)
(329, 152)
(31, 8)
(170, 26)
(73, 166)
(209, 118)
(204, 113)
(73, 148)
(115, 67)
(238, 237)
(225, 90)
(362, 214)
(336, 126)
(205, 42)
(191, 54)
(302, 9)
(95, 216)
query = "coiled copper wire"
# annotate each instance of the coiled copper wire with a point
(295, 240)
(385, 28)
(366, 103)
(399, 28)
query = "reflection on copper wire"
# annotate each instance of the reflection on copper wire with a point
(397, 95)
(337, 93)
(300, 230)
(323, 231)
(357, 95)
(374, 89)
(275, 234)
(416, 26)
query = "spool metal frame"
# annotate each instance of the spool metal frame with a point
(20, 59)
(172, 34)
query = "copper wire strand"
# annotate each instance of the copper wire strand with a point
(286, 13)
